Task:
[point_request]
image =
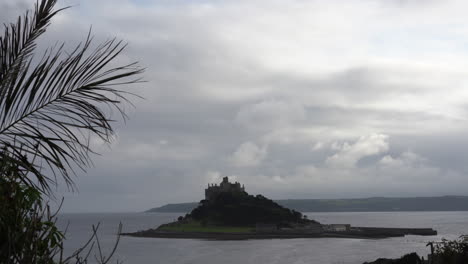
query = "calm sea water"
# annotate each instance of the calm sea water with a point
(280, 251)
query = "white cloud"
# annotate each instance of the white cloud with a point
(349, 154)
(407, 158)
(213, 176)
(318, 146)
(406, 174)
(248, 154)
(271, 115)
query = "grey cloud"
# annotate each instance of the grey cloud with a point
(209, 94)
(9, 9)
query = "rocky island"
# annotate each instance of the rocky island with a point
(229, 212)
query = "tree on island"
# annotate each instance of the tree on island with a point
(50, 107)
(242, 209)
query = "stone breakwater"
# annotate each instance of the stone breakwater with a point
(357, 232)
(397, 231)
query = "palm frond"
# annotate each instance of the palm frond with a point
(50, 110)
(18, 41)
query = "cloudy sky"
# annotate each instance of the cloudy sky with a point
(295, 99)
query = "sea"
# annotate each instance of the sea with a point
(450, 225)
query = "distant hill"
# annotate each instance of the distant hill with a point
(374, 204)
(174, 208)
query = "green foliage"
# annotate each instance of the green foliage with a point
(241, 209)
(452, 251)
(28, 233)
(49, 109)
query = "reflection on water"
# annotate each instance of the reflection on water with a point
(324, 250)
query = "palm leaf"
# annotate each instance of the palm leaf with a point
(18, 41)
(49, 109)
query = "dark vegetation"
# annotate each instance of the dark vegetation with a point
(27, 230)
(444, 252)
(51, 104)
(411, 258)
(242, 209)
(450, 251)
(376, 204)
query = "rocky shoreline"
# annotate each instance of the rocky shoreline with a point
(363, 233)
(240, 236)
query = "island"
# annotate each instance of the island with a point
(228, 212)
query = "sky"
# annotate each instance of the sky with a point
(294, 99)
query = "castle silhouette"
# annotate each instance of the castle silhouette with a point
(225, 186)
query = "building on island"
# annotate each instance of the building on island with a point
(309, 228)
(337, 227)
(225, 186)
(292, 228)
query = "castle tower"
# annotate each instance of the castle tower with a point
(225, 186)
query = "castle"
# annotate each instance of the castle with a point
(225, 186)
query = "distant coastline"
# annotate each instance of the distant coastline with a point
(373, 204)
